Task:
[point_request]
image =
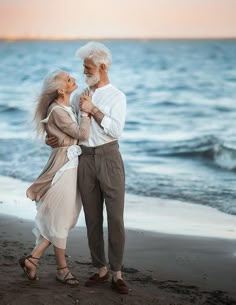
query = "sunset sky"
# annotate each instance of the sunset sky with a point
(117, 18)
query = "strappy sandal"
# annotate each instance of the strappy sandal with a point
(23, 266)
(65, 279)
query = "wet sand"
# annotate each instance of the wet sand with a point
(160, 269)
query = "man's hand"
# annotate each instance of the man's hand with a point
(51, 141)
(86, 104)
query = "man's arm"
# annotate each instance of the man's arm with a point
(114, 123)
(97, 115)
(51, 141)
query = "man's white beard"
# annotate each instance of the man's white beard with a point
(93, 80)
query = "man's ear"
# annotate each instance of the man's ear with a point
(103, 67)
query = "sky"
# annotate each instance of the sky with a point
(96, 19)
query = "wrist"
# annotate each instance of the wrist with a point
(94, 110)
(83, 113)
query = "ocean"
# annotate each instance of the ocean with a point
(179, 140)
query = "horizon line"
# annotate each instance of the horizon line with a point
(24, 38)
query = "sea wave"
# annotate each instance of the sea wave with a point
(225, 156)
(4, 109)
(210, 148)
(184, 175)
(207, 147)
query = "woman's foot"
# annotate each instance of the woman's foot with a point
(66, 277)
(29, 265)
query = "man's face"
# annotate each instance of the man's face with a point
(91, 71)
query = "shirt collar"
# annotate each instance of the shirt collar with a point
(103, 87)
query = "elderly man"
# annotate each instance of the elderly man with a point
(101, 171)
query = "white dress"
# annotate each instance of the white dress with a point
(55, 191)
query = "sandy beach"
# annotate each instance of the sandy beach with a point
(159, 269)
(179, 152)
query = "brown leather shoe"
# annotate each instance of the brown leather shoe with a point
(95, 279)
(120, 286)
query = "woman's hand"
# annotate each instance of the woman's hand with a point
(86, 104)
(52, 141)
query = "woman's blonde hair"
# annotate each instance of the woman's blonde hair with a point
(49, 93)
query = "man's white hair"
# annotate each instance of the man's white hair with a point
(97, 52)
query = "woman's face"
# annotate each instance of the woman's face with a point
(69, 84)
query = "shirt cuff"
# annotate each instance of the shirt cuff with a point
(106, 123)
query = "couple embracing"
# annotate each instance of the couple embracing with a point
(85, 167)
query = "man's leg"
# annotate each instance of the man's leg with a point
(112, 181)
(92, 200)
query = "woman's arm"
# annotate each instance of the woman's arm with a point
(65, 123)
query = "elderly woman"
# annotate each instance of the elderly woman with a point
(55, 190)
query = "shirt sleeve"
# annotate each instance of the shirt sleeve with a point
(64, 122)
(113, 124)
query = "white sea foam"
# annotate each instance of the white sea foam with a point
(6, 135)
(143, 213)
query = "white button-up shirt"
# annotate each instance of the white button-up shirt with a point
(112, 103)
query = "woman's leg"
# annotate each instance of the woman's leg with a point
(32, 262)
(41, 247)
(63, 272)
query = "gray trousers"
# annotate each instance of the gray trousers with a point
(101, 177)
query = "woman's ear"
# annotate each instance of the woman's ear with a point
(60, 92)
